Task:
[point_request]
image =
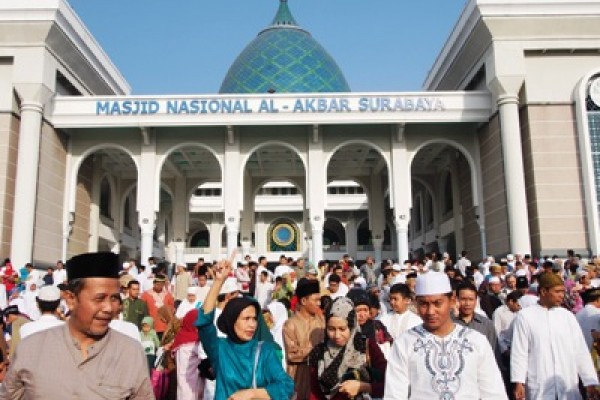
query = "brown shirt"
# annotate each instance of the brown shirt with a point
(300, 335)
(48, 365)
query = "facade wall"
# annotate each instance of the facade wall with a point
(553, 179)
(9, 138)
(50, 196)
(79, 239)
(494, 191)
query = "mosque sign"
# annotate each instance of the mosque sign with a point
(252, 109)
(270, 105)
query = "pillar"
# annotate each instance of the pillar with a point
(378, 249)
(351, 236)
(317, 239)
(233, 189)
(376, 215)
(28, 156)
(148, 195)
(95, 204)
(181, 208)
(402, 237)
(457, 209)
(514, 174)
(400, 191)
(247, 223)
(215, 228)
(505, 72)
(316, 190)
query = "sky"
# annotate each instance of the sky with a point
(187, 46)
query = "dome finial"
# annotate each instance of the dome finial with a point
(284, 16)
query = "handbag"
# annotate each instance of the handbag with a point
(160, 383)
(206, 369)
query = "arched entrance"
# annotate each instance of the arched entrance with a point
(444, 216)
(274, 183)
(103, 178)
(193, 174)
(358, 178)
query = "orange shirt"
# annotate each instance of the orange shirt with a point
(153, 300)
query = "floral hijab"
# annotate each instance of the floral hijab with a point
(337, 364)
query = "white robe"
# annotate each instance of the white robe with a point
(549, 354)
(459, 366)
(589, 319)
(185, 307)
(397, 324)
(263, 293)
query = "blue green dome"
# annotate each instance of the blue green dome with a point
(284, 58)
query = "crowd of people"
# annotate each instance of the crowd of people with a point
(512, 328)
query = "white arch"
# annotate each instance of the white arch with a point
(206, 228)
(341, 224)
(431, 192)
(265, 144)
(163, 158)
(114, 211)
(465, 153)
(78, 160)
(289, 180)
(382, 153)
(272, 143)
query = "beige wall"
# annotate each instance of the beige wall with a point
(553, 179)
(9, 138)
(47, 247)
(79, 239)
(494, 192)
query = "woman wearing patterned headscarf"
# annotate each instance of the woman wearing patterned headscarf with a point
(346, 365)
(245, 363)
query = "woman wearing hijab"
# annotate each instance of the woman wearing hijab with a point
(373, 329)
(29, 301)
(245, 365)
(167, 315)
(185, 347)
(279, 315)
(346, 365)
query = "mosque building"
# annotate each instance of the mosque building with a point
(500, 152)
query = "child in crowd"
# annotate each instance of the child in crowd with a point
(150, 340)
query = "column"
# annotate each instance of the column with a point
(27, 178)
(400, 193)
(233, 189)
(351, 237)
(317, 239)
(179, 252)
(376, 215)
(95, 204)
(457, 209)
(147, 196)
(514, 174)
(316, 189)
(402, 237)
(215, 229)
(247, 223)
(232, 231)
(378, 249)
(505, 72)
(181, 210)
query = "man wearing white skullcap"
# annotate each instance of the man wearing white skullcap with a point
(439, 359)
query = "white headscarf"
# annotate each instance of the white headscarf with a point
(280, 315)
(29, 300)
